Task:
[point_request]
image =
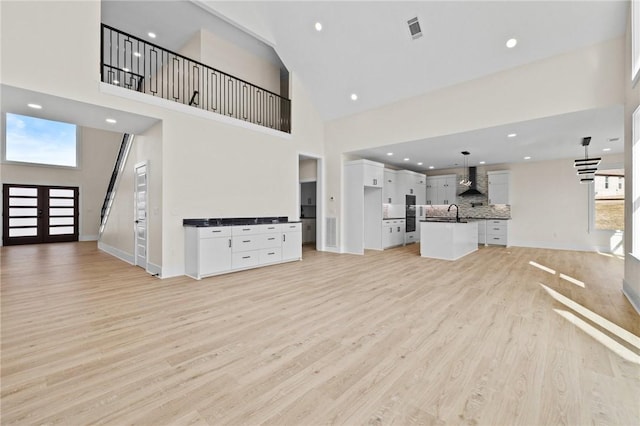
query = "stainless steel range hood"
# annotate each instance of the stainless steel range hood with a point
(473, 189)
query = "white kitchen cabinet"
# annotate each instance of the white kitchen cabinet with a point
(220, 249)
(421, 194)
(363, 206)
(372, 173)
(497, 232)
(207, 251)
(390, 188)
(482, 231)
(393, 232)
(291, 241)
(410, 183)
(441, 189)
(498, 183)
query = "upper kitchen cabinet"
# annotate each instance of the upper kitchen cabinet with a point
(498, 187)
(308, 194)
(441, 189)
(390, 188)
(410, 183)
(372, 173)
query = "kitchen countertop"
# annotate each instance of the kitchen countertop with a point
(235, 221)
(392, 218)
(466, 218)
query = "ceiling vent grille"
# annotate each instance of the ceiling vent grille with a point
(414, 28)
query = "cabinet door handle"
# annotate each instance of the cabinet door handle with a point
(246, 241)
(273, 238)
(214, 231)
(398, 229)
(246, 229)
(271, 254)
(229, 242)
(375, 181)
(246, 257)
(284, 237)
(390, 230)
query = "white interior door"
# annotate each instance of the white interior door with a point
(141, 215)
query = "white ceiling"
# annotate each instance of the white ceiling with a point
(15, 100)
(365, 48)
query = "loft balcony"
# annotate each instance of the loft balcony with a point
(135, 64)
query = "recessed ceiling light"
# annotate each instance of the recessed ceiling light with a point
(318, 26)
(431, 167)
(511, 43)
(420, 163)
(354, 97)
(137, 54)
(152, 35)
(407, 159)
(512, 135)
(34, 106)
(483, 162)
(606, 149)
(527, 158)
(111, 121)
(389, 154)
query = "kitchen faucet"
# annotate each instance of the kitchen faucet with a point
(457, 211)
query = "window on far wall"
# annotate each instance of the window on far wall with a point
(39, 141)
(608, 188)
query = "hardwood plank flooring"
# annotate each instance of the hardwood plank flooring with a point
(499, 337)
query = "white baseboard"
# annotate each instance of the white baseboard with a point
(88, 238)
(558, 246)
(632, 296)
(120, 254)
(331, 250)
(154, 269)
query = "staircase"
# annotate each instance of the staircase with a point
(123, 153)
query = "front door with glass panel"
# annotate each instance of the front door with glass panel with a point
(39, 214)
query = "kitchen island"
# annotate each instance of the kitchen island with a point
(447, 239)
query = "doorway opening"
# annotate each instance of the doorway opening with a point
(310, 200)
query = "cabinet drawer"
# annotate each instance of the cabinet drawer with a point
(291, 227)
(270, 255)
(245, 259)
(269, 240)
(214, 232)
(497, 239)
(245, 230)
(245, 243)
(270, 229)
(496, 223)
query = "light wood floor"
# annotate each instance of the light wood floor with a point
(385, 338)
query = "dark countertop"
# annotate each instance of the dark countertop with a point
(235, 221)
(468, 218)
(393, 218)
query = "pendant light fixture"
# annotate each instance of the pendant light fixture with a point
(465, 176)
(586, 166)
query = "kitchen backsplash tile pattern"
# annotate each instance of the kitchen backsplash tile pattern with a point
(475, 206)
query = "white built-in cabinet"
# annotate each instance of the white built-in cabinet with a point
(412, 183)
(221, 249)
(441, 189)
(393, 232)
(390, 188)
(497, 232)
(363, 205)
(498, 183)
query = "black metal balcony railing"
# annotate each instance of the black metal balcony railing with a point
(135, 64)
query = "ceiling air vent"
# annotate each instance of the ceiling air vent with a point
(414, 28)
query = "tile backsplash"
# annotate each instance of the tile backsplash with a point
(473, 206)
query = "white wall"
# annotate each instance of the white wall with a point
(209, 168)
(308, 170)
(631, 285)
(98, 152)
(580, 80)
